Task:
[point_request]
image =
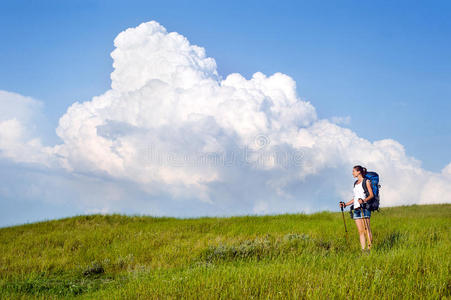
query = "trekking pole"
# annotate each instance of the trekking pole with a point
(344, 222)
(367, 233)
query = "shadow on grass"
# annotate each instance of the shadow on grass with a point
(391, 240)
(91, 279)
(269, 247)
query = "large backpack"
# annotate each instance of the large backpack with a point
(373, 203)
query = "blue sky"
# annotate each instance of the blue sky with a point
(387, 61)
(385, 64)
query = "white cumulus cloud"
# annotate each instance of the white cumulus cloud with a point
(196, 143)
(19, 140)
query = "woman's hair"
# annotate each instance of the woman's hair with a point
(361, 169)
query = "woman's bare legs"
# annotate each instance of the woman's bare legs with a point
(361, 228)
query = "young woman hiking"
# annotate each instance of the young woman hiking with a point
(361, 220)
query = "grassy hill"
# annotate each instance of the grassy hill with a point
(285, 256)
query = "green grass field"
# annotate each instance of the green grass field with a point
(292, 256)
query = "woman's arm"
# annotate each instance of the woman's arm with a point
(348, 203)
(370, 191)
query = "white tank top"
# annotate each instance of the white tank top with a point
(358, 193)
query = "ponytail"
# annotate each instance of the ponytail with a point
(361, 169)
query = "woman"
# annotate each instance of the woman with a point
(358, 200)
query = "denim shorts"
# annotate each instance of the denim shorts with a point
(358, 213)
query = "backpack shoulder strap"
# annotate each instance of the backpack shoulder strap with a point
(355, 182)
